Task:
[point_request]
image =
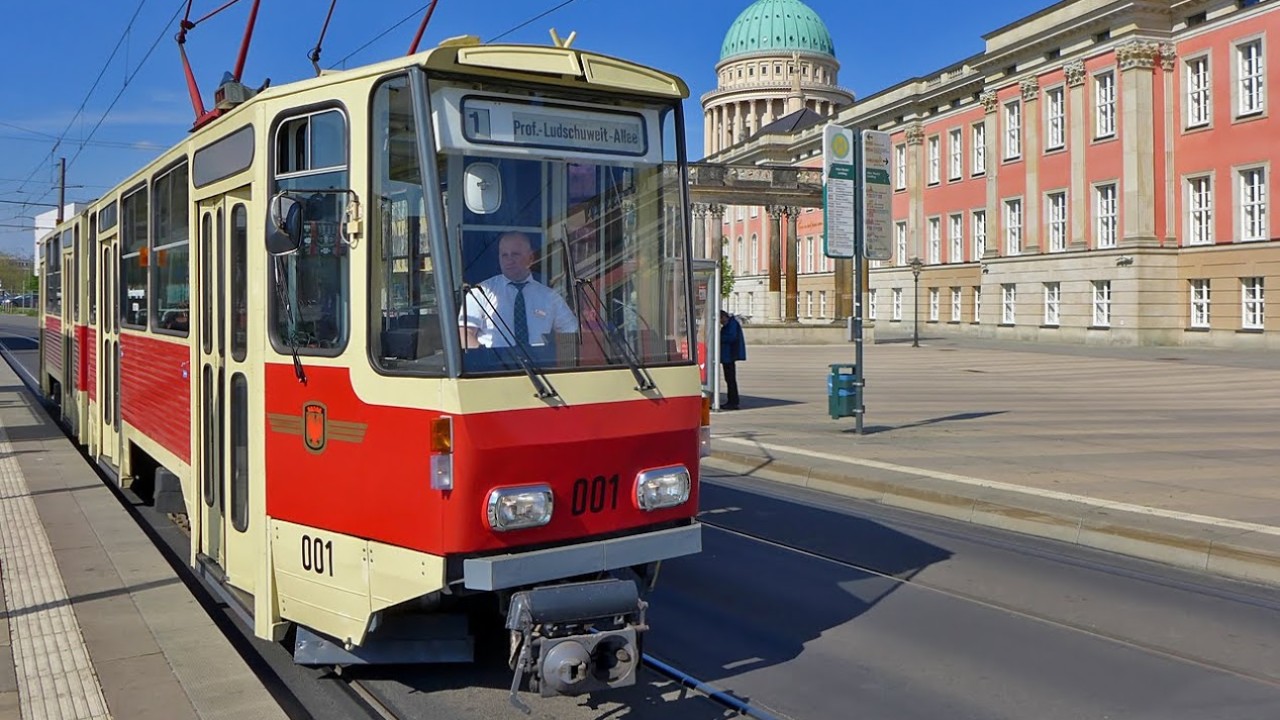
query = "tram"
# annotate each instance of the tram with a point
(285, 328)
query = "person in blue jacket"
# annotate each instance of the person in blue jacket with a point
(733, 349)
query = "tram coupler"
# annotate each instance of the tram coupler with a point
(575, 638)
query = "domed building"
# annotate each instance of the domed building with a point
(777, 61)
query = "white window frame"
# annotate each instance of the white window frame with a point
(1052, 303)
(873, 303)
(1101, 303)
(977, 304)
(1055, 118)
(979, 149)
(1199, 200)
(822, 303)
(900, 239)
(1106, 199)
(1104, 99)
(811, 257)
(808, 303)
(1056, 220)
(1200, 302)
(979, 225)
(955, 147)
(955, 236)
(1250, 86)
(897, 304)
(1013, 227)
(1197, 79)
(935, 240)
(1252, 221)
(1009, 304)
(1253, 303)
(957, 302)
(934, 149)
(933, 304)
(755, 254)
(1013, 130)
(900, 167)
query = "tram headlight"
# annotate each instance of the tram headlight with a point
(662, 487)
(515, 508)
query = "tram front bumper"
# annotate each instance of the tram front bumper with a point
(498, 572)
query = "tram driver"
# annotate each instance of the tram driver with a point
(527, 311)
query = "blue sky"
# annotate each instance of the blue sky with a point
(56, 49)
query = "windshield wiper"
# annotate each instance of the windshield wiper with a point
(541, 386)
(644, 382)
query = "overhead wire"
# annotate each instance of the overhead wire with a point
(531, 20)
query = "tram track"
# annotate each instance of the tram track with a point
(1092, 632)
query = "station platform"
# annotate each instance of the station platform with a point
(1167, 454)
(96, 622)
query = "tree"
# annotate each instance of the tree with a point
(726, 277)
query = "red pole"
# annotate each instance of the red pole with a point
(192, 88)
(425, 19)
(248, 35)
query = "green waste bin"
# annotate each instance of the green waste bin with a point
(842, 391)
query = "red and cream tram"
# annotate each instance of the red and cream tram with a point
(289, 324)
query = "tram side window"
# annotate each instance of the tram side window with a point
(239, 282)
(93, 270)
(75, 273)
(52, 277)
(405, 329)
(311, 162)
(133, 258)
(171, 269)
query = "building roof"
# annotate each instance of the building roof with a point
(793, 123)
(777, 25)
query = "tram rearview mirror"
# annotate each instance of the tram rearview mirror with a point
(482, 188)
(285, 234)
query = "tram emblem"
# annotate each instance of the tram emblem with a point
(313, 426)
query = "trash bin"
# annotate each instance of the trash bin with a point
(842, 391)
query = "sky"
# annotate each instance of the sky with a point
(101, 83)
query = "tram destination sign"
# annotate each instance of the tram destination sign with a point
(504, 122)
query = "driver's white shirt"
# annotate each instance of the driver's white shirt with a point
(545, 311)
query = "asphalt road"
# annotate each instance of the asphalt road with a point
(812, 606)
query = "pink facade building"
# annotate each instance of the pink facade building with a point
(1100, 173)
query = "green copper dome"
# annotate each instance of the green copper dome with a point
(779, 26)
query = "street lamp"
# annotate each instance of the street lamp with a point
(916, 265)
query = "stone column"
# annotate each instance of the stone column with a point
(699, 239)
(772, 312)
(707, 134)
(1079, 201)
(792, 269)
(1169, 64)
(915, 190)
(715, 244)
(1030, 89)
(1137, 60)
(991, 103)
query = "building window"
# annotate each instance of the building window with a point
(755, 211)
(741, 264)
(1249, 70)
(1252, 303)
(1200, 303)
(977, 304)
(1057, 222)
(1104, 86)
(935, 242)
(1012, 227)
(1102, 303)
(1008, 303)
(955, 146)
(900, 166)
(811, 259)
(873, 300)
(1013, 130)
(934, 151)
(1199, 99)
(1105, 215)
(900, 239)
(979, 148)
(955, 304)
(1253, 204)
(755, 254)
(955, 234)
(1200, 210)
(1055, 119)
(897, 303)
(933, 304)
(1052, 303)
(979, 234)
(808, 303)
(822, 303)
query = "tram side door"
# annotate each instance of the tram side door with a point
(109, 349)
(221, 384)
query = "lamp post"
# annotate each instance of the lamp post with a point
(916, 266)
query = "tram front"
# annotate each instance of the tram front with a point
(552, 288)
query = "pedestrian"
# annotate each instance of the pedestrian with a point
(733, 349)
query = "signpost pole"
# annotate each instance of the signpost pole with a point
(859, 237)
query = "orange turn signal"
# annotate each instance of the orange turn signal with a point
(706, 411)
(442, 435)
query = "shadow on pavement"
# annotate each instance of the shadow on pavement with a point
(873, 429)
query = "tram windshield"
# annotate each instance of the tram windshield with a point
(565, 232)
